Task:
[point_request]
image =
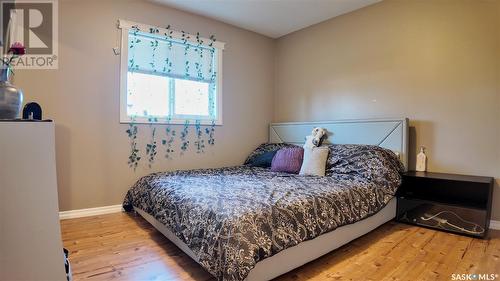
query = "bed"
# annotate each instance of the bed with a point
(249, 223)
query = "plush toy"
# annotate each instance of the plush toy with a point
(318, 135)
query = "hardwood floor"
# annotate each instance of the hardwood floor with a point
(125, 247)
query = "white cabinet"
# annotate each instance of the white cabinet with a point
(30, 234)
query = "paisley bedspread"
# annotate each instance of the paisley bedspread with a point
(233, 217)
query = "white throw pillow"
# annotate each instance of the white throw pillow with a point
(314, 163)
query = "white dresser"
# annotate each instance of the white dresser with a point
(30, 234)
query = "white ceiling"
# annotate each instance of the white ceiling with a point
(273, 18)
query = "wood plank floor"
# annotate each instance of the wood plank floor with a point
(125, 247)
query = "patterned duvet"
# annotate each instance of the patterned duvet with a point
(233, 217)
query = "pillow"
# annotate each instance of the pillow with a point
(288, 160)
(314, 163)
(263, 160)
(265, 147)
(371, 162)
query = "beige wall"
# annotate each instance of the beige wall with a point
(82, 97)
(436, 62)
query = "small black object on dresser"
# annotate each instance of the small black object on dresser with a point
(449, 202)
(32, 111)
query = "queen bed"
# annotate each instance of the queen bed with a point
(250, 223)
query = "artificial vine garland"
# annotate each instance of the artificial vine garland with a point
(184, 135)
(134, 158)
(168, 141)
(132, 64)
(151, 146)
(211, 133)
(199, 143)
(154, 46)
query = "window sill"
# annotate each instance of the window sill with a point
(159, 121)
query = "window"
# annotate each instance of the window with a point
(169, 77)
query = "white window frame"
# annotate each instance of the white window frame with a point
(125, 27)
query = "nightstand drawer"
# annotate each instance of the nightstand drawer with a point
(463, 220)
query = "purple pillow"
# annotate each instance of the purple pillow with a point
(288, 160)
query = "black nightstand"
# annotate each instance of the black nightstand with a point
(455, 203)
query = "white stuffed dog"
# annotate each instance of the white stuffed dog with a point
(316, 138)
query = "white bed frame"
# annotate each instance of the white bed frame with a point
(388, 133)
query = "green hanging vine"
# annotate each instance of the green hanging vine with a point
(186, 68)
(151, 146)
(212, 40)
(199, 50)
(212, 52)
(199, 143)
(169, 140)
(168, 37)
(154, 46)
(132, 64)
(184, 135)
(199, 71)
(134, 158)
(167, 67)
(211, 133)
(185, 37)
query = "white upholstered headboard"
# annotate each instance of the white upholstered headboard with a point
(388, 133)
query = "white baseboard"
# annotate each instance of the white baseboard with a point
(72, 214)
(494, 224)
